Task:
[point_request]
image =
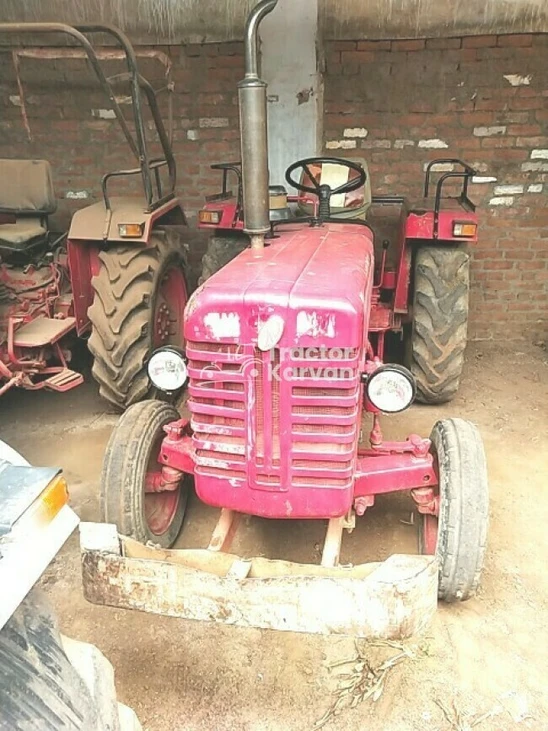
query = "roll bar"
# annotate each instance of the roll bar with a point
(149, 169)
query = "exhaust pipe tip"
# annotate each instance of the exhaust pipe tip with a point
(254, 131)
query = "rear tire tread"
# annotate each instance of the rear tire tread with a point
(440, 321)
(122, 311)
(221, 249)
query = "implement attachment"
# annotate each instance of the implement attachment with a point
(393, 599)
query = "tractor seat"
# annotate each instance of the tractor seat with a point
(26, 193)
(24, 232)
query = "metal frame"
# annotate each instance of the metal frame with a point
(466, 174)
(137, 142)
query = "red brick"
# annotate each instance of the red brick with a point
(511, 155)
(515, 117)
(374, 45)
(524, 130)
(507, 53)
(496, 142)
(442, 43)
(357, 57)
(521, 41)
(479, 41)
(411, 45)
(531, 142)
(343, 45)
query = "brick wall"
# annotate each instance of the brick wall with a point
(397, 104)
(484, 99)
(66, 115)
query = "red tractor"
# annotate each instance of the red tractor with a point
(283, 357)
(117, 277)
(422, 283)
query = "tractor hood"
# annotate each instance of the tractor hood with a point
(315, 282)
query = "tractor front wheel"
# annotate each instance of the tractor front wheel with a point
(221, 249)
(131, 493)
(140, 294)
(437, 335)
(457, 532)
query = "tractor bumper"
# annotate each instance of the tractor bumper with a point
(390, 600)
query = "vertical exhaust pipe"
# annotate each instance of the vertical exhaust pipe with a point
(254, 132)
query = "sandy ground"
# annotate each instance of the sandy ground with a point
(485, 661)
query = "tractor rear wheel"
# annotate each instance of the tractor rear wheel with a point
(129, 494)
(437, 338)
(457, 534)
(140, 295)
(220, 250)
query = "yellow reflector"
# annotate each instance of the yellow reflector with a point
(206, 216)
(465, 230)
(130, 230)
(50, 502)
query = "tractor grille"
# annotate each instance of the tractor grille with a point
(252, 421)
(218, 406)
(325, 395)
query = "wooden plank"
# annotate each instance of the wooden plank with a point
(221, 564)
(333, 539)
(396, 599)
(224, 532)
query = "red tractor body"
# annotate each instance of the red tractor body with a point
(273, 437)
(276, 428)
(286, 384)
(438, 220)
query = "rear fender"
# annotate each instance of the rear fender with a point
(418, 230)
(95, 223)
(84, 263)
(93, 229)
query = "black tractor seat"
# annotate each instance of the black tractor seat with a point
(26, 199)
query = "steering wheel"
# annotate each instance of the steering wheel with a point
(347, 187)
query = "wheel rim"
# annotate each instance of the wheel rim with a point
(160, 508)
(171, 298)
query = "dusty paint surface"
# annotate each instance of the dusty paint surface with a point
(315, 325)
(223, 324)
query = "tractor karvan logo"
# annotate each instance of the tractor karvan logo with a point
(288, 364)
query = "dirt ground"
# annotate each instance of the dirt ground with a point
(485, 661)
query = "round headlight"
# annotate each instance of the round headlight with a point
(391, 388)
(167, 369)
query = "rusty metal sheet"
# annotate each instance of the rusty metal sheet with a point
(378, 19)
(393, 599)
(153, 21)
(206, 21)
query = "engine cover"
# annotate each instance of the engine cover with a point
(276, 344)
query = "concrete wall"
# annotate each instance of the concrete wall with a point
(290, 66)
